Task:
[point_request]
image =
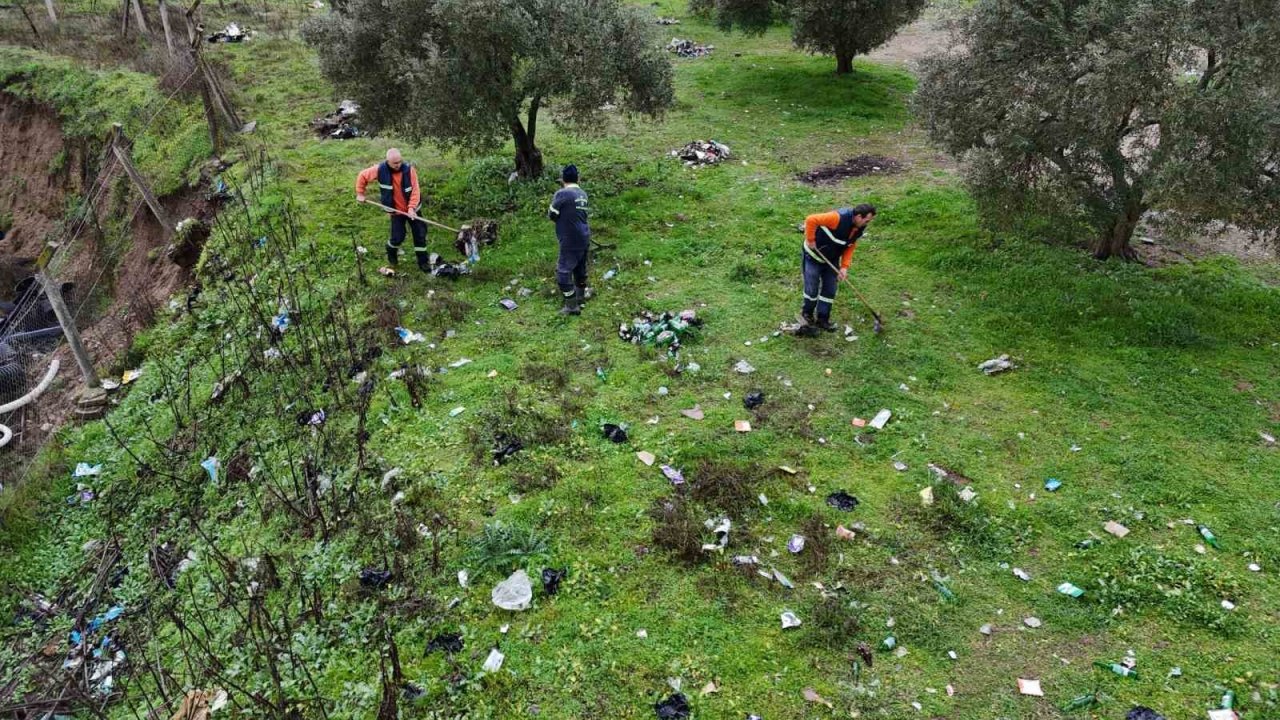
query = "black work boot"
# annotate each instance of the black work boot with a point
(824, 323)
(806, 319)
(572, 305)
(581, 295)
(393, 256)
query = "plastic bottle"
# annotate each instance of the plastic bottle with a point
(1228, 700)
(1208, 535)
(1081, 702)
(600, 373)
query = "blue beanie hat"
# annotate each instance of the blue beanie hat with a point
(570, 173)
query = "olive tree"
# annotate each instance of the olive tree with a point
(1089, 115)
(843, 28)
(470, 73)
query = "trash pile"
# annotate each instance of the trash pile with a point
(439, 268)
(229, 34)
(101, 656)
(667, 330)
(996, 365)
(702, 152)
(339, 124)
(474, 235)
(688, 48)
(667, 21)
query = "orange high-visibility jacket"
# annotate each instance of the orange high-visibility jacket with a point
(370, 175)
(830, 221)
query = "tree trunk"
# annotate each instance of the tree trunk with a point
(528, 156)
(168, 33)
(1115, 242)
(844, 62)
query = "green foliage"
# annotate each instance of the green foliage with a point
(846, 28)
(501, 548)
(469, 73)
(1186, 591)
(1083, 117)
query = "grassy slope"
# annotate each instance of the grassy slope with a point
(1138, 368)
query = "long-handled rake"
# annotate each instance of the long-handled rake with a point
(879, 324)
(412, 217)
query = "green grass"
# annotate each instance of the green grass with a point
(1161, 378)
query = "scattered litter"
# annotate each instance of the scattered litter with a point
(464, 579)
(753, 399)
(880, 419)
(1208, 536)
(693, 413)
(675, 707)
(853, 167)
(87, 470)
(926, 495)
(1032, 622)
(742, 426)
(787, 469)
(646, 457)
(1228, 605)
(642, 633)
(675, 476)
(702, 152)
(812, 696)
(1223, 714)
(514, 593)
(688, 48)
(858, 422)
(842, 500)
(1067, 588)
(889, 642)
(504, 446)
(615, 433)
(508, 303)
(667, 330)
(1030, 687)
(457, 411)
(408, 336)
(1052, 484)
(211, 465)
(721, 530)
(551, 579)
(314, 418)
(374, 579)
(996, 365)
(985, 629)
(666, 21)
(743, 367)
(708, 689)
(460, 362)
(795, 544)
(229, 34)
(763, 500)
(445, 642)
(783, 580)
(339, 124)
(1115, 528)
(1021, 575)
(845, 533)
(1143, 713)
(1255, 567)
(1267, 438)
(493, 663)
(967, 494)
(899, 466)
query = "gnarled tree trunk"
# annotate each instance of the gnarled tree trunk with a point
(1115, 242)
(528, 156)
(844, 62)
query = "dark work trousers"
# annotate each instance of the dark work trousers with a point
(820, 283)
(571, 268)
(398, 223)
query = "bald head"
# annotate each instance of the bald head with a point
(393, 158)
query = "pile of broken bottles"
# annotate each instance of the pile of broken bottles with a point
(665, 330)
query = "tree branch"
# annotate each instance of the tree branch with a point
(532, 128)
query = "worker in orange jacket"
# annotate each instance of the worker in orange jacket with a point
(398, 187)
(829, 240)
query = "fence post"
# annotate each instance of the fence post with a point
(117, 141)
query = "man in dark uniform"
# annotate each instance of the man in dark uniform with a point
(569, 212)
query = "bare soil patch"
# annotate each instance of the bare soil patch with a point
(859, 166)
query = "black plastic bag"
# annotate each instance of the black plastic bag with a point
(551, 579)
(1143, 713)
(675, 707)
(842, 500)
(374, 579)
(447, 642)
(615, 433)
(753, 400)
(504, 446)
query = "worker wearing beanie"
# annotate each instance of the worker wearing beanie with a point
(569, 212)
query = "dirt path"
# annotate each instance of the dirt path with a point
(921, 38)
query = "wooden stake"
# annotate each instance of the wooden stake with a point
(137, 13)
(53, 16)
(164, 21)
(68, 323)
(118, 146)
